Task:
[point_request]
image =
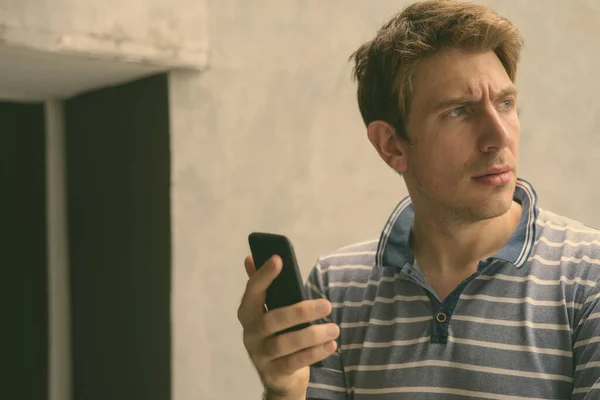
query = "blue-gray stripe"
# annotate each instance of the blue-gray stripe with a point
(527, 327)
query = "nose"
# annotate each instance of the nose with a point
(495, 131)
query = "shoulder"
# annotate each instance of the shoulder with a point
(359, 255)
(352, 263)
(567, 250)
(560, 229)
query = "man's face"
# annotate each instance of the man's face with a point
(464, 133)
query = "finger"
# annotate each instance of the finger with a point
(290, 364)
(263, 277)
(286, 317)
(253, 301)
(293, 342)
(249, 264)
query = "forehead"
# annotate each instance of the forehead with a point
(456, 73)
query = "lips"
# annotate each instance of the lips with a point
(499, 176)
(497, 170)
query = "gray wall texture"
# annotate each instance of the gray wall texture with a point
(270, 138)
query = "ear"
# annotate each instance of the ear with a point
(382, 136)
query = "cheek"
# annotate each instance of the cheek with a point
(439, 163)
(514, 146)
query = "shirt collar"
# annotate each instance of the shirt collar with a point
(394, 250)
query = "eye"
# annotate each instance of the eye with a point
(457, 112)
(507, 104)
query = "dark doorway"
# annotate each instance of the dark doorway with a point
(118, 178)
(24, 261)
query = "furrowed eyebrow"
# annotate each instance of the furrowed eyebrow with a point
(454, 101)
(469, 101)
(507, 92)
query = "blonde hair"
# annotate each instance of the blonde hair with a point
(384, 67)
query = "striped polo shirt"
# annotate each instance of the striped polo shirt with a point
(526, 325)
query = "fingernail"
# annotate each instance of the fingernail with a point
(323, 307)
(330, 347)
(274, 263)
(333, 330)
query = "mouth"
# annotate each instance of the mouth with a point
(498, 170)
(495, 176)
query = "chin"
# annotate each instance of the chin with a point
(492, 206)
(496, 209)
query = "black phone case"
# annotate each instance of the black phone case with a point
(287, 288)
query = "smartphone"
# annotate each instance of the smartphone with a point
(287, 288)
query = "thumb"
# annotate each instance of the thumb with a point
(250, 267)
(253, 299)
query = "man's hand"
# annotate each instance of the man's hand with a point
(282, 361)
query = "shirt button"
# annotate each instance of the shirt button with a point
(441, 317)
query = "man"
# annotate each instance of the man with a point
(471, 291)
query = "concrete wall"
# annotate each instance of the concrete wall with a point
(270, 139)
(172, 32)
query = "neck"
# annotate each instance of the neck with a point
(445, 246)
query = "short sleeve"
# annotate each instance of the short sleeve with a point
(586, 352)
(327, 382)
